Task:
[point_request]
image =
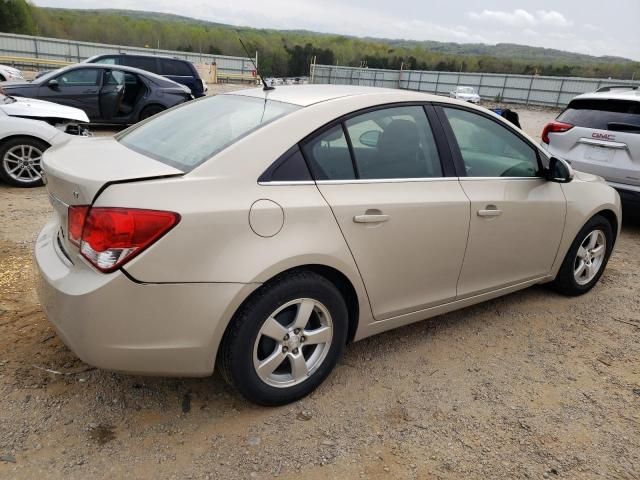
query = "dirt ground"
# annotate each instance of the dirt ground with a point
(532, 385)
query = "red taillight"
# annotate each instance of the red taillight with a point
(554, 127)
(75, 221)
(112, 236)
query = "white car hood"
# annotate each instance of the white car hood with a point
(32, 108)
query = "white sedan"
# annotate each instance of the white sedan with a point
(27, 128)
(8, 73)
(466, 94)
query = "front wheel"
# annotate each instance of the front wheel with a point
(286, 339)
(586, 259)
(20, 161)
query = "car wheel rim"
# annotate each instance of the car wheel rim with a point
(293, 342)
(22, 163)
(590, 257)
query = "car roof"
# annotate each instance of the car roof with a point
(164, 57)
(615, 94)
(305, 95)
(139, 71)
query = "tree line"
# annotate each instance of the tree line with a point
(289, 53)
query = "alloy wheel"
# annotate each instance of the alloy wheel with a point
(293, 342)
(23, 163)
(590, 257)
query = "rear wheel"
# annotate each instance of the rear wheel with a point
(150, 111)
(586, 259)
(20, 161)
(286, 339)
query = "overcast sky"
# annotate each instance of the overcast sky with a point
(608, 27)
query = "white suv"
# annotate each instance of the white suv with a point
(599, 133)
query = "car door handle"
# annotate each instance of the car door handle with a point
(490, 211)
(370, 218)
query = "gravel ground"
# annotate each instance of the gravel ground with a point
(532, 385)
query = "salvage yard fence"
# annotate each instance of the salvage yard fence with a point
(27, 50)
(526, 89)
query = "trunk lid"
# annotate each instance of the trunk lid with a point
(77, 170)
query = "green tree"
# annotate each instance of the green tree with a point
(16, 17)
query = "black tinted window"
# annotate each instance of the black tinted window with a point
(601, 114)
(149, 64)
(329, 156)
(290, 167)
(174, 67)
(394, 143)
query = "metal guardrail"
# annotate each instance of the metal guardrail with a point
(32, 62)
(526, 89)
(53, 49)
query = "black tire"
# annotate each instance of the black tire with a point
(6, 163)
(150, 111)
(236, 354)
(565, 282)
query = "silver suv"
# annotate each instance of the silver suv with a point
(599, 133)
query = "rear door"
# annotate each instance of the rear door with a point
(604, 140)
(403, 218)
(517, 217)
(111, 93)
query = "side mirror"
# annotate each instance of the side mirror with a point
(370, 138)
(53, 83)
(559, 171)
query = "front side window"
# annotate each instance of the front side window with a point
(189, 135)
(394, 143)
(82, 77)
(489, 149)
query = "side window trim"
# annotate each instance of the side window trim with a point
(455, 149)
(444, 153)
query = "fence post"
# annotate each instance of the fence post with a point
(559, 93)
(480, 84)
(420, 82)
(529, 92)
(504, 85)
(330, 70)
(437, 83)
(35, 46)
(351, 77)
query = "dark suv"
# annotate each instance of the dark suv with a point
(180, 71)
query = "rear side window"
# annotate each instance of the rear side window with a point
(602, 114)
(175, 68)
(189, 135)
(108, 61)
(149, 64)
(329, 156)
(394, 143)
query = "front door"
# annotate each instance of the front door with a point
(78, 88)
(517, 217)
(405, 223)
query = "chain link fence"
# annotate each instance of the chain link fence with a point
(527, 89)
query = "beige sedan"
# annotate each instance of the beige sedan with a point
(263, 231)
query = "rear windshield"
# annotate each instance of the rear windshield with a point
(603, 114)
(191, 134)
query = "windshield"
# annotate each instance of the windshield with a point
(191, 134)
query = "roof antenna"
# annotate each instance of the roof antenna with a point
(265, 87)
